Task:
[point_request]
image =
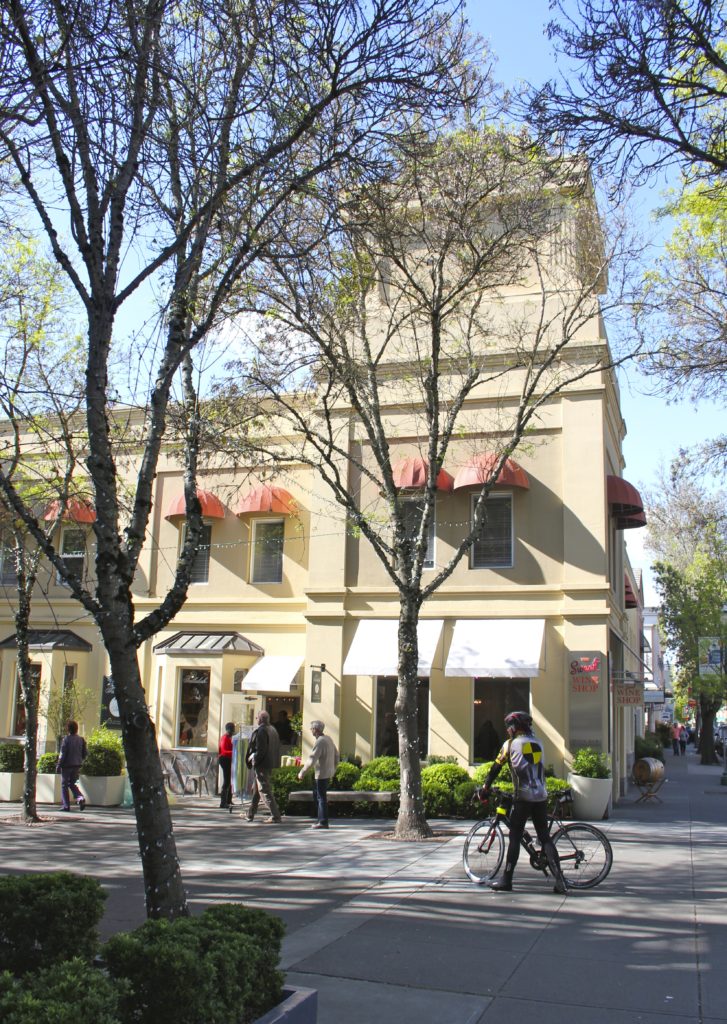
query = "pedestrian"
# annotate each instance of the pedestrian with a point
(683, 737)
(284, 729)
(263, 754)
(323, 759)
(522, 751)
(675, 739)
(71, 757)
(225, 760)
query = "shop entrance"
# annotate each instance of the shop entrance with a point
(281, 709)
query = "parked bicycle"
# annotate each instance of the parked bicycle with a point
(584, 851)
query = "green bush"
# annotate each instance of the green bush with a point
(379, 771)
(66, 993)
(591, 764)
(347, 775)
(648, 746)
(663, 733)
(47, 763)
(11, 757)
(439, 759)
(284, 780)
(105, 753)
(447, 773)
(219, 966)
(47, 918)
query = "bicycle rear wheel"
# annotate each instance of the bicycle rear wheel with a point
(483, 851)
(585, 855)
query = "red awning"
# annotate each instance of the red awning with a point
(410, 474)
(629, 595)
(633, 522)
(267, 499)
(480, 468)
(623, 498)
(212, 507)
(77, 510)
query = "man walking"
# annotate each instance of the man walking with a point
(323, 758)
(263, 754)
(71, 757)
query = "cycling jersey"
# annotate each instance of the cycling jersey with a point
(524, 757)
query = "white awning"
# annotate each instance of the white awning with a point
(274, 673)
(374, 651)
(510, 648)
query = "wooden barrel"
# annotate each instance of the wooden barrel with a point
(648, 769)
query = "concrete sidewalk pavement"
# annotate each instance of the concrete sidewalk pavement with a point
(394, 932)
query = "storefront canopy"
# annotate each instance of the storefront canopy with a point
(208, 643)
(411, 475)
(267, 499)
(76, 510)
(50, 640)
(625, 503)
(479, 469)
(509, 648)
(275, 673)
(374, 651)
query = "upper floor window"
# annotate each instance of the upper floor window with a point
(201, 564)
(8, 577)
(412, 509)
(492, 548)
(267, 551)
(73, 552)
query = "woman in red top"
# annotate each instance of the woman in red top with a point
(226, 766)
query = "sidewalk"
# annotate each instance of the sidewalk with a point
(393, 933)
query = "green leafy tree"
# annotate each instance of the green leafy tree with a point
(692, 600)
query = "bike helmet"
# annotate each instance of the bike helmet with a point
(519, 720)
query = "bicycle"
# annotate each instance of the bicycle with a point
(584, 851)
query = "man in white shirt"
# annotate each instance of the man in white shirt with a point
(323, 758)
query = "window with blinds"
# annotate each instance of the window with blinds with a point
(201, 565)
(493, 547)
(412, 509)
(7, 563)
(73, 552)
(267, 551)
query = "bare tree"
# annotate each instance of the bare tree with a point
(130, 125)
(400, 307)
(39, 383)
(648, 86)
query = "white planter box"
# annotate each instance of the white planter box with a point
(11, 785)
(102, 790)
(48, 789)
(591, 797)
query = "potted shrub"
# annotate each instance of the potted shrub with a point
(48, 783)
(590, 780)
(102, 782)
(11, 771)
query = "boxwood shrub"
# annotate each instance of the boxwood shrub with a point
(47, 918)
(71, 992)
(47, 763)
(346, 777)
(220, 966)
(648, 746)
(11, 757)
(379, 771)
(105, 753)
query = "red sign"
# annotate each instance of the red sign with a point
(585, 674)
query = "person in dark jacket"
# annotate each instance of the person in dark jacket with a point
(263, 754)
(72, 755)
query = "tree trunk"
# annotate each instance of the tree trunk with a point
(709, 711)
(29, 689)
(163, 889)
(411, 822)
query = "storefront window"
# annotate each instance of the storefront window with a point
(194, 699)
(494, 698)
(387, 738)
(73, 552)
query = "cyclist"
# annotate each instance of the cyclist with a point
(522, 751)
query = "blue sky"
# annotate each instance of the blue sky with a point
(656, 430)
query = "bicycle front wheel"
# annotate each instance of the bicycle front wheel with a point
(585, 855)
(483, 851)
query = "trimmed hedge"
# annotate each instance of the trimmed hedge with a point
(648, 746)
(219, 966)
(48, 918)
(105, 753)
(12, 756)
(47, 763)
(71, 992)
